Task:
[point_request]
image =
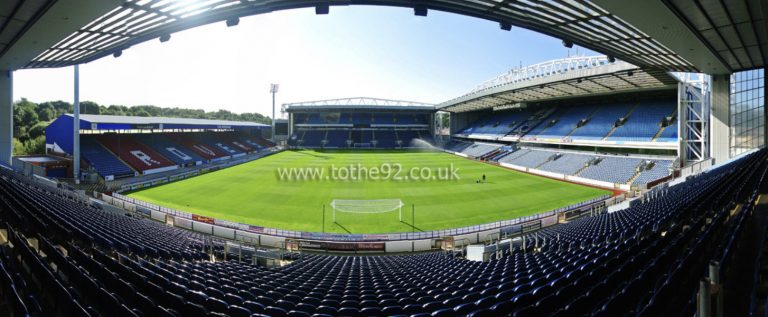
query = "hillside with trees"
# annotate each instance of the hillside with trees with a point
(30, 119)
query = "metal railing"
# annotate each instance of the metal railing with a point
(545, 69)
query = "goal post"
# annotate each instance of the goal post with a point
(374, 206)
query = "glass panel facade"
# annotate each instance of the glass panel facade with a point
(747, 110)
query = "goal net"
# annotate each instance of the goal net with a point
(375, 206)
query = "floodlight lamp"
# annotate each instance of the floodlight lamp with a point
(322, 9)
(420, 11)
(273, 88)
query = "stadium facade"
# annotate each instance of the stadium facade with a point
(359, 123)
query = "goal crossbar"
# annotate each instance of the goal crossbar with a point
(372, 206)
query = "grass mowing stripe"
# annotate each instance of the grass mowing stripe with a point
(252, 193)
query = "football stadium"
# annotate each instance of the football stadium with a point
(626, 181)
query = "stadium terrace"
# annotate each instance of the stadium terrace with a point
(629, 183)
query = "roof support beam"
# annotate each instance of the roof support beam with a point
(717, 30)
(754, 29)
(738, 34)
(61, 19)
(668, 29)
(6, 116)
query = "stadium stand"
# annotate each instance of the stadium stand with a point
(590, 122)
(378, 123)
(480, 149)
(669, 133)
(531, 159)
(644, 122)
(567, 163)
(497, 124)
(337, 138)
(660, 169)
(612, 169)
(236, 141)
(601, 122)
(258, 141)
(71, 258)
(192, 142)
(386, 139)
(567, 119)
(105, 164)
(457, 145)
(313, 138)
(472, 149)
(214, 141)
(160, 143)
(137, 155)
(602, 167)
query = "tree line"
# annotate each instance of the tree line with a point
(30, 119)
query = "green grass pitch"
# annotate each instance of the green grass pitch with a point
(253, 193)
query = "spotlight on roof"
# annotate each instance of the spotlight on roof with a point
(506, 26)
(117, 54)
(420, 11)
(233, 21)
(630, 73)
(322, 8)
(611, 59)
(567, 43)
(165, 38)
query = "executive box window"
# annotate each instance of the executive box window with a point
(747, 111)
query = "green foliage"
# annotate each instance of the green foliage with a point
(37, 130)
(89, 107)
(18, 147)
(31, 119)
(30, 146)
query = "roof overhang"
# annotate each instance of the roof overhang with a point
(615, 78)
(30, 27)
(719, 37)
(672, 35)
(106, 122)
(358, 103)
(135, 21)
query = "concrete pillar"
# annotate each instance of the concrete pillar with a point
(76, 128)
(720, 118)
(6, 116)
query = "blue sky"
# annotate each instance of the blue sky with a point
(352, 52)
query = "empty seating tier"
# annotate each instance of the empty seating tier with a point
(138, 155)
(612, 122)
(105, 163)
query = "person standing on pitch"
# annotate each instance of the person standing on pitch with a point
(483, 178)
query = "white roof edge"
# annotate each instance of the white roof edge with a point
(96, 118)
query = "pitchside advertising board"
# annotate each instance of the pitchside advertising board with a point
(340, 246)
